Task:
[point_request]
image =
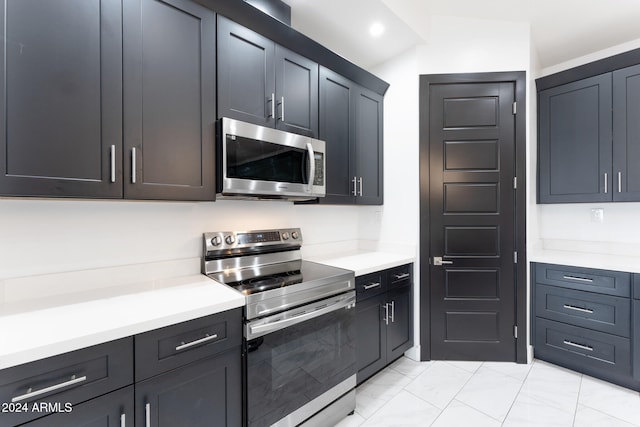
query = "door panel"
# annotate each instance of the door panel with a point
(472, 206)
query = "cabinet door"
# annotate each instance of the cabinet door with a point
(400, 328)
(575, 154)
(369, 147)
(207, 393)
(296, 93)
(626, 134)
(636, 342)
(246, 74)
(111, 410)
(61, 109)
(169, 87)
(338, 130)
(371, 337)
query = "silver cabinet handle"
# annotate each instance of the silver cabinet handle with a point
(372, 286)
(578, 279)
(273, 105)
(619, 182)
(606, 183)
(45, 390)
(207, 338)
(354, 181)
(437, 260)
(580, 309)
(133, 165)
(401, 276)
(123, 420)
(147, 415)
(113, 163)
(386, 314)
(282, 108)
(581, 346)
(393, 311)
(360, 182)
(312, 166)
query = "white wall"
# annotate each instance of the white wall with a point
(50, 236)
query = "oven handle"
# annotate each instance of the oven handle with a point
(300, 315)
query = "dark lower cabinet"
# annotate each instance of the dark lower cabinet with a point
(384, 319)
(585, 319)
(351, 125)
(111, 410)
(207, 393)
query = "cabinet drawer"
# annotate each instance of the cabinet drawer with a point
(69, 378)
(400, 276)
(584, 350)
(586, 279)
(600, 312)
(167, 348)
(370, 285)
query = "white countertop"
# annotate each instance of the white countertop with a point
(32, 330)
(364, 262)
(624, 263)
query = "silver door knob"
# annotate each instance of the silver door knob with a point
(437, 260)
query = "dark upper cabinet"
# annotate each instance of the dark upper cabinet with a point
(80, 74)
(575, 131)
(263, 83)
(169, 100)
(61, 109)
(351, 124)
(626, 134)
(338, 130)
(369, 146)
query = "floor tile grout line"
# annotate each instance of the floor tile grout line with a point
(524, 380)
(575, 412)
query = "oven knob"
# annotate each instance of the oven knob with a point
(285, 236)
(216, 241)
(230, 240)
(295, 235)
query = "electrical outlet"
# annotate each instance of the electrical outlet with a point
(597, 215)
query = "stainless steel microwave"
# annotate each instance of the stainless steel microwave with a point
(259, 162)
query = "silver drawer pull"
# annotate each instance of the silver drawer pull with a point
(401, 276)
(372, 286)
(147, 415)
(581, 346)
(123, 420)
(208, 337)
(578, 279)
(31, 394)
(580, 309)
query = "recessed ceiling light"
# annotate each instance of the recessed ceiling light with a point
(376, 29)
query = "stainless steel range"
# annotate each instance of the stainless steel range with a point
(299, 327)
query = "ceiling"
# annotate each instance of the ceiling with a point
(560, 29)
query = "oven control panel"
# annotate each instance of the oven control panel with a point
(238, 240)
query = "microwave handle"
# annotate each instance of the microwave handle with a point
(312, 167)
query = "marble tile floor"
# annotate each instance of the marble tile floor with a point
(478, 394)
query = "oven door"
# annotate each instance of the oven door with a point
(300, 361)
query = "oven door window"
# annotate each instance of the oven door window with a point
(290, 367)
(264, 161)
